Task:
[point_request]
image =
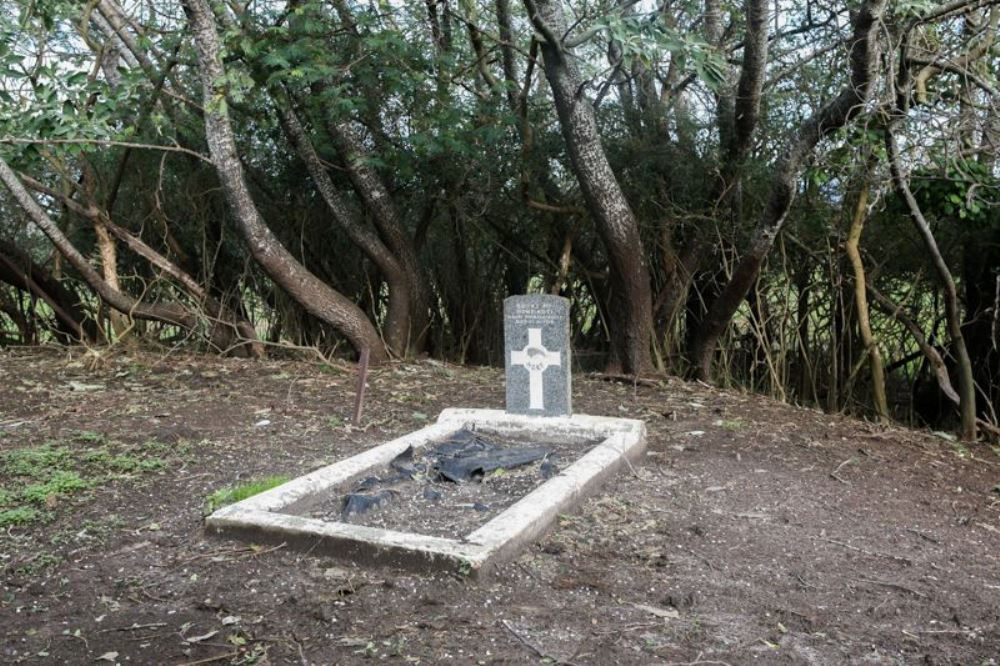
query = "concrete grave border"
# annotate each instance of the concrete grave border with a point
(262, 518)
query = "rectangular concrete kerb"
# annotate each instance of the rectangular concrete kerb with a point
(265, 518)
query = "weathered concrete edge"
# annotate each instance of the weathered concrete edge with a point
(535, 514)
(258, 518)
(530, 515)
(356, 542)
(577, 424)
(332, 475)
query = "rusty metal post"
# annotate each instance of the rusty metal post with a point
(359, 398)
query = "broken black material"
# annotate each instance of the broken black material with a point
(467, 466)
(357, 503)
(548, 469)
(462, 457)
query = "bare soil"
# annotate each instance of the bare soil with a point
(754, 531)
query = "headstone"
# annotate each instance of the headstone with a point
(537, 355)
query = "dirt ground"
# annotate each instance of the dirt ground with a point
(753, 532)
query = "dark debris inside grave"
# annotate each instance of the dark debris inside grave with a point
(449, 487)
(465, 456)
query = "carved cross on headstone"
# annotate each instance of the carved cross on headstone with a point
(536, 358)
(536, 342)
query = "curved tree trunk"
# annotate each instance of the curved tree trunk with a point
(318, 298)
(966, 382)
(228, 330)
(372, 190)
(631, 300)
(18, 269)
(120, 301)
(398, 323)
(861, 302)
(831, 117)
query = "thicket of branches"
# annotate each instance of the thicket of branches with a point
(798, 197)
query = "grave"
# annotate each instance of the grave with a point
(471, 490)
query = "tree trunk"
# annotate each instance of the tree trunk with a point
(966, 381)
(313, 294)
(228, 330)
(116, 299)
(398, 324)
(17, 269)
(861, 302)
(373, 191)
(109, 269)
(631, 300)
(831, 117)
(930, 353)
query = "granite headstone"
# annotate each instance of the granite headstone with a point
(537, 355)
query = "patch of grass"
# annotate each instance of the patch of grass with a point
(233, 494)
(131, 463)
(20, 515)
(61, 482)
(35, 462)
(35, 476)
(38, 564)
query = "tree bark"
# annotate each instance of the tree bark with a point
(631, 301)
(398, 327)
(966, 381)
(315, 296)
(930, 353)
(228, 330)
(118, 300)
(831, 117)
(18, 269)
(109, 269)
(861, 302)
(389, 222)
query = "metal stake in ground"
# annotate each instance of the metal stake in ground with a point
(359, 399)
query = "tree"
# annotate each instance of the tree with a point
(631, 306)
(312, 293)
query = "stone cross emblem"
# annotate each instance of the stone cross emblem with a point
(536, 359)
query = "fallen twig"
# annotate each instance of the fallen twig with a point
(635, 380)
(208, 660)
(923, 536)
(135, 627)
(697, 662)
(834, 475)
(870, 553)
(898, 586)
